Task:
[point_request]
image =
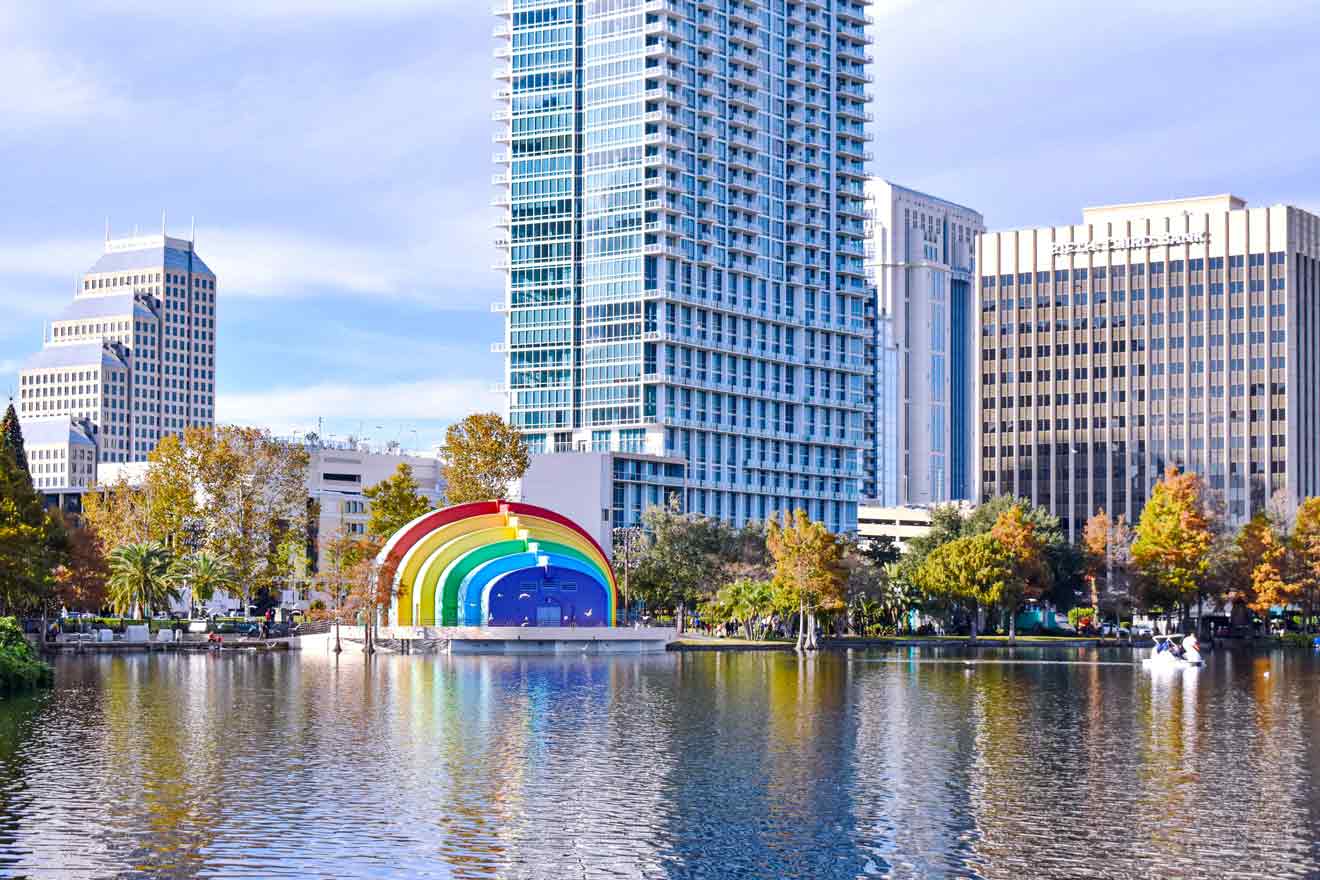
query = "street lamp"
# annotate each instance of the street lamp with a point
(628, 545)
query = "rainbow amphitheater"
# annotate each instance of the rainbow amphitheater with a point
(505, 576)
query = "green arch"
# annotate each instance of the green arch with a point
(453, 575)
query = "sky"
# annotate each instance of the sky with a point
(336, 158)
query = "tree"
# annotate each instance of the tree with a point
(1173, 539)
(746, 601)
(1258, 581)
(1106, 559)
(395, 502)
(974, 570)
(80, 583)
(881, 550)
(1305, 546)
(684, 556)
(482, 456)
(32, 541)
(204, 574)
(11, 439)
(809, 566)
(1030, 575)
(345, 554)
(140, 578)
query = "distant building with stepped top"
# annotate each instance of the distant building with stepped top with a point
(129, 361)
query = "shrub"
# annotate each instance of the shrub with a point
(1296, 640)
(1080, 618)
(19, 667)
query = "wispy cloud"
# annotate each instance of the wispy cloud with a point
(294, 408)
(241, 11)
(276, 262)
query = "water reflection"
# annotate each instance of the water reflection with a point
(907, 763)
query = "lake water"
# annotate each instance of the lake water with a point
(905, 763)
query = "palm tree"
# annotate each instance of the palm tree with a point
(140, 577)
(202, 574)
(867, 609)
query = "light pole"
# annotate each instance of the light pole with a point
(627, 544)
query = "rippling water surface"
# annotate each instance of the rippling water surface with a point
(903, 763)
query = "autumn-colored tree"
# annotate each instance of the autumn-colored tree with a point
(809, 565)
(1260, 573)
(236, 492)
(1106, 555)
(1305, 547)
(1030, 576)
(482, 455)
(1173, 539)
(80, 583)
(395, 502)
(973, 570)
(368, 588)
(346, 556)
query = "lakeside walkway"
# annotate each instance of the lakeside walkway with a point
(697, 642)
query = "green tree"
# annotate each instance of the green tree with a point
(744, 600)
(140, 578)
(1173, 539)
(32, 541)
(973, 570)
(809, 566)
(482, 455)
(11, 438)
(881, 551)
(395, 502)
(684, 557)
(20, 668)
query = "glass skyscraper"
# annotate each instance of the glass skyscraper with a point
(685, 232)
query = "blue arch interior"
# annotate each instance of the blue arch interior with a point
(547, 596)
(473, 591)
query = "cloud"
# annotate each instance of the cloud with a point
(40, 85)
(284, 410)
(456, 257)
(240, 11)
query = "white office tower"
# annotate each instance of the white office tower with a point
(132, 358)
(683, 191)
(920, 423)
(1181, 333)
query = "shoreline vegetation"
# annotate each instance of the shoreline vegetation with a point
(20, 667)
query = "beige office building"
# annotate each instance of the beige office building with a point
(1180, 333)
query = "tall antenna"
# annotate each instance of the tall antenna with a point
(162, 222)
(107, 228)
(192, 236)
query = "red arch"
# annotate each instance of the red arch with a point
(434, 520)
(517, 507)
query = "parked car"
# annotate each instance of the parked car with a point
(1142, 630)
(1110, 631)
